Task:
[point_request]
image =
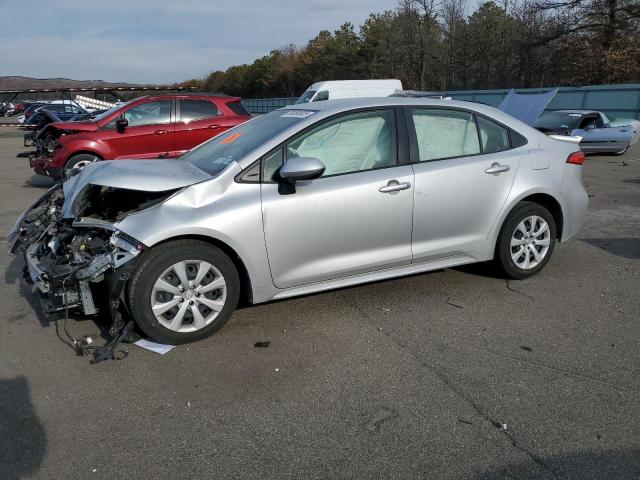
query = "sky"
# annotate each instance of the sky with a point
(159, 41)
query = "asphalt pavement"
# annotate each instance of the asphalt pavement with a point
(454, 374)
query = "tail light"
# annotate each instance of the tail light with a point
(576, 158)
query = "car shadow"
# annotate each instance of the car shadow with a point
(482, 269)
(622, 247)
(14, 274)
(39, 181)
(23, 436)
(589, 465)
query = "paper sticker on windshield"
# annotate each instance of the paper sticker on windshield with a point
(297, 113)
(231, 138)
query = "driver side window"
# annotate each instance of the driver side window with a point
(588, 122)
(150, 113)
(350, 143)
(321, 96)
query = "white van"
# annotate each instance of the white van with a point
(334, 89)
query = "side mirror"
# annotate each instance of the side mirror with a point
(121, 124)
(297, 168)
(301, 168)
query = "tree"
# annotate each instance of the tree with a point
(436, 45)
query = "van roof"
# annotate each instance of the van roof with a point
(330, 83)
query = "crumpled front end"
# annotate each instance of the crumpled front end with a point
(66, 259)
(75, 253)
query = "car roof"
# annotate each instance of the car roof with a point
(328, 107)
(349, 103)
(188, 94)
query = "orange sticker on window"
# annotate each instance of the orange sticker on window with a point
(231, 138)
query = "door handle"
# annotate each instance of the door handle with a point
(497, 168)
(160, 132)
(394, 186)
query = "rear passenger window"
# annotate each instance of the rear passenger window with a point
(445, 134)
(517, 140)
(238, 108)
(196, 109)
(494, 137)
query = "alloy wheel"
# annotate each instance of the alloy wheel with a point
(188, 296)
(530, 242)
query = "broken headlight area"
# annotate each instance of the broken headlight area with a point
(79, 269)
(113, 204)
(46, 140)
(34, 222)
(70, 265)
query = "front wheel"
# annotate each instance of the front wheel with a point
(78, 162)
(526, 240)
(183, 291)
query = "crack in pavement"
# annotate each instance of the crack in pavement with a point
(567, 373)
(458, 392)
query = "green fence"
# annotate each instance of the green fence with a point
(616, 101)
(265, 105)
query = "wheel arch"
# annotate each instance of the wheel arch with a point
(246, 288)
(84, 152)
(551, 204)
(544, 198)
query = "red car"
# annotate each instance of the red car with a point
(154, 126)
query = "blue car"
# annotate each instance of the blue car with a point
(64, 111)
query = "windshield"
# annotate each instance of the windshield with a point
(556, 120)
(306, 97)
(213, 156)
(113, 109)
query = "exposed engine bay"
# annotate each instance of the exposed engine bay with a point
(81, 263)
(75, 243)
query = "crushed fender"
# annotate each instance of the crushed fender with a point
(74, 263)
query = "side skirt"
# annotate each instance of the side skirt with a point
(378, 275)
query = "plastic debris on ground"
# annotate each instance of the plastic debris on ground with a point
(154, 347)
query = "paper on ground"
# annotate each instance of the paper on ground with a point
(153, 346)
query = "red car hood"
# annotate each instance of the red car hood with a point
(77, 126)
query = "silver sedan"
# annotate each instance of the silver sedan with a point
(304, 199)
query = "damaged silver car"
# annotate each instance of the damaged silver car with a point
(301, 200)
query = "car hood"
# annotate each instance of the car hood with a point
(76, 126)
(526, 107)
(138, 175)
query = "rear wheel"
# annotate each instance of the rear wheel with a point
(183, 291)
(79, 162)
(526, 240)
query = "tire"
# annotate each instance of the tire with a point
(162, 262)
(79, 161)
(621, 152)
(526, 264)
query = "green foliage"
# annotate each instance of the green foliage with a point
(438, 46)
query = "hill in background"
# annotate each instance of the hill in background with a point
(25, 83)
